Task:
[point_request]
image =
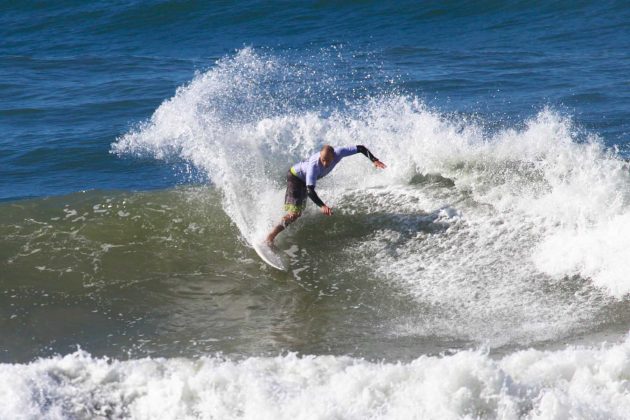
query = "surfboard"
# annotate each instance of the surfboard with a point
(269, 256)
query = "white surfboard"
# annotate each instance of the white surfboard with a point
(269, 256)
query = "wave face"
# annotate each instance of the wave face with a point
(531, 384)
(500, 235)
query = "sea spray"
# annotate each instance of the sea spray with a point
(495, 230)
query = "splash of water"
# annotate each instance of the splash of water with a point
(522, 210)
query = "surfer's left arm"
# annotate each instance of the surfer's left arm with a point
(343, 152)
(366, 152)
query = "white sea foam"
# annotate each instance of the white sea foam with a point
(569, 383)
(598, 252)
(491, 257)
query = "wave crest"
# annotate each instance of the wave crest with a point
(528, 205)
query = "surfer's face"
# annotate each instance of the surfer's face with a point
(326, 158)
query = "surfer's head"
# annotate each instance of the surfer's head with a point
(327, 155)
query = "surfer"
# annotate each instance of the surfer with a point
(303, 176)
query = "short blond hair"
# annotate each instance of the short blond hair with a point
(328, 149)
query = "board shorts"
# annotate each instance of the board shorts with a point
(295, 197)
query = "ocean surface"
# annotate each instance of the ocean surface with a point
(484, 274)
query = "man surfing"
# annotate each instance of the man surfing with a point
(303, 176)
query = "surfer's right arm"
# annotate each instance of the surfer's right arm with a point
(310, 191)
(311, 180)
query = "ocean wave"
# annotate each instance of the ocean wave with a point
(577, 382)
(542, 179)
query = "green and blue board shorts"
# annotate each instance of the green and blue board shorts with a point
(295, 197)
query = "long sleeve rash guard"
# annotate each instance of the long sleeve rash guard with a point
(311, 169)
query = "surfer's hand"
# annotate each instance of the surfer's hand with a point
(327, 210)
(379, 164)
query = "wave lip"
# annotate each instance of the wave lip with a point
(575, 382)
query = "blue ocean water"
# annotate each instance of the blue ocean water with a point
(483, 274)
(77, 75)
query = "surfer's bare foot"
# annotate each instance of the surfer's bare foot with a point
(269, 241)
(272, 235)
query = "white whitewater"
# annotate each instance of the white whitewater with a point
(519, 238)
(570, 383)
